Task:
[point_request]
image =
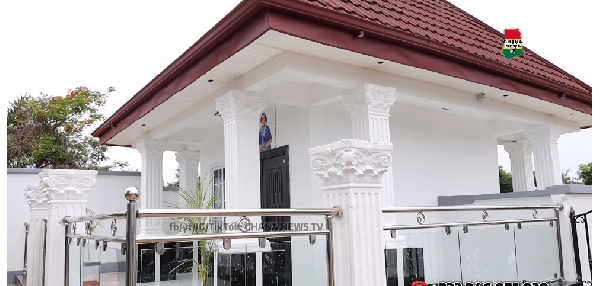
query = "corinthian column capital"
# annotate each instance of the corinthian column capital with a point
(151, 147)
(543, 134)
(59, 184)
(188, 158)
(369, 98)
(351, 161)
(521, 146)
(34, 196)
(236, 103)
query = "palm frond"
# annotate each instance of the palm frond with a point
(197, 199)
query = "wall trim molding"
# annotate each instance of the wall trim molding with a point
(100, 173)
(553, 190)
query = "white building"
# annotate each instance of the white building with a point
(435, 86)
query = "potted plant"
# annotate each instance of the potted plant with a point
(197, 199)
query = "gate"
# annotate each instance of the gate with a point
(575, 220)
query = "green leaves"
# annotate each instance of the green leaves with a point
(585, 173)
(198, 198)
(48, 131)
(505, 180)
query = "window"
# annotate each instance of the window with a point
(219, 192)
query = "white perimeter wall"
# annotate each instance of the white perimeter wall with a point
(107, 196)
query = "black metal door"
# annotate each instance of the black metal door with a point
(575, 220)
(275, 186)
(275, 193)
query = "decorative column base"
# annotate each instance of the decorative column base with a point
(351, 171)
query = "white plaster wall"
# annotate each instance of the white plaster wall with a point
(435, 153)
(107, 196)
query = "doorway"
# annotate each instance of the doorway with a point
(275, 193)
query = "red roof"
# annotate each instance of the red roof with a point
(446, 24)
(429, 34)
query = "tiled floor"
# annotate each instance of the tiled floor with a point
(118, 279)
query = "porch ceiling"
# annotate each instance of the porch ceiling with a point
(276, 59)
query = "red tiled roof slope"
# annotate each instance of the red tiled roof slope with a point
(444, 23)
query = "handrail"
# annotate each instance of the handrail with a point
(162, 213)
(440, 225)
(118, 239)
(467, 208)
(131, 240)
(106, 216)
(217, 236)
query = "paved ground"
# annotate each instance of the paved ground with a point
(118, 279)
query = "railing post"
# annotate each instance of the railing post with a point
(575, 244)
(559, 240)
(330, 274)
(44, 251)
(25, 254)
(131, 194)
(352, 172)
(67, 254)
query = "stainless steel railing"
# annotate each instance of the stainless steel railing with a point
(421, 219)
(132, 214)
(44, 251)
(25, 254)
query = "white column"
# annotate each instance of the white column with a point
(241, 113)
(544, 143)
(152, 182)
(66, 191)
(38, 211)
(369, 107)
(351, 171)
(188, 169)
(521, 165)
(188, 180)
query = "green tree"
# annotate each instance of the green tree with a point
(505, 180)
(49, 131)
(567, 179)
(176, 182)
(585, 173)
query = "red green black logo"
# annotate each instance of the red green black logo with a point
(513, 44)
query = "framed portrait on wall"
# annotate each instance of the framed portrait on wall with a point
(267, 130)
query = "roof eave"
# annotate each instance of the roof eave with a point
(241, 13)
(245, 11)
